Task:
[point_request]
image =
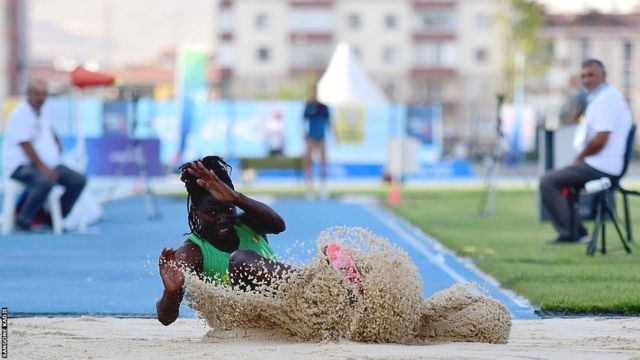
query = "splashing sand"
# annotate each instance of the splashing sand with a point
(315, 303)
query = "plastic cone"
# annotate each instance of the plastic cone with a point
(394, 197)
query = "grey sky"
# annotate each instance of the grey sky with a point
(116, 30)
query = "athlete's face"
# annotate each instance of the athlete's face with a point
(216, 218)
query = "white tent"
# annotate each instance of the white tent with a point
(345, 82)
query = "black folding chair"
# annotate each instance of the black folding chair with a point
(625, 192)
(604, 210)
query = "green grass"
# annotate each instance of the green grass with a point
(510, 246)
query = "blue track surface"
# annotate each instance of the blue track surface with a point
(115, 271)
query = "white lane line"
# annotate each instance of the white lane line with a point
(436, 260)
(388, 219)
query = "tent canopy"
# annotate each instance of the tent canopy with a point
(345, 82)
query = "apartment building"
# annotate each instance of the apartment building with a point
(416, 51)
(612, 38)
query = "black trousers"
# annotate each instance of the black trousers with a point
(38, 187)
(551, 185)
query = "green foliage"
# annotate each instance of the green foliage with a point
(519, 23)
(525, 20)
(296, 89)
(510, 245)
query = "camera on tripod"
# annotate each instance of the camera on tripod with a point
(501, 146)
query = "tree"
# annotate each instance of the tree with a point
(519, 23)
(295, 89)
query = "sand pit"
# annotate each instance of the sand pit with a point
(110, 338)
(316, 304)
(314, 316)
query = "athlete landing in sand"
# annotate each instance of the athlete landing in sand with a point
(223, 246)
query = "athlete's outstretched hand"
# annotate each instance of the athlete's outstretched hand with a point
(210, 181)
(172, 277)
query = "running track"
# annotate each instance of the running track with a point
(113, 270)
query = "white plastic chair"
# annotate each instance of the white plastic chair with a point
(12, 189)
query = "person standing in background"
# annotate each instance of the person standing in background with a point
(274, 134)
(578, 102)
(316, 122)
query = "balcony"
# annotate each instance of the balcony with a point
(310, 37)
(311, 3)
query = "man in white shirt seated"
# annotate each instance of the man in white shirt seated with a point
(31, 154)
(607, 122)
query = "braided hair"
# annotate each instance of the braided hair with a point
(195, 192)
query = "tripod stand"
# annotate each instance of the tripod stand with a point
(135, 152)
(603, 210)
(488, 203)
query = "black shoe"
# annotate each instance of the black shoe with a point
(582, 232)
(561, 240)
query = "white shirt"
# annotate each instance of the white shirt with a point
(607, 112)
(23, 125)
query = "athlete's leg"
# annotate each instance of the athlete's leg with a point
(308, 164)
(247, 269)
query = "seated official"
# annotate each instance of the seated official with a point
(607, 121)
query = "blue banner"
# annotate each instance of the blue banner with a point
(240, 128)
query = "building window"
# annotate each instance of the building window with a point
(391, 21)
(262, 21)
(628, 51)
(354, 21)
(311, 20)
(435, 21)
(264, 54)
(481, 55)
(310, 55)
(389, 55)
(434, 90)
(226, 54)
(626, 81)
(390, 90)
(435, 54)
(482, 22)
(584, 49)
(225, 20)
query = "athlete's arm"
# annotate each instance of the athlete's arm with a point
(260, 216)
(263, 218)
(170, 261)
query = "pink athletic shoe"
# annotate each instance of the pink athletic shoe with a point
(341, 260)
